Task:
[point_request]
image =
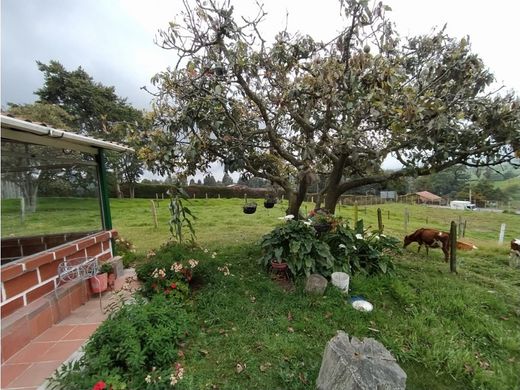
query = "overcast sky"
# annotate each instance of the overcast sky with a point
(113, 40)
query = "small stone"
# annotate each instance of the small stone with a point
(316, 284)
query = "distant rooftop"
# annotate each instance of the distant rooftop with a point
(39, 133)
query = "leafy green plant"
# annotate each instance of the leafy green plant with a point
(135, 348)
(106, 268)
(356, 250)
(296, 244)
(180, 215)
(126, 250)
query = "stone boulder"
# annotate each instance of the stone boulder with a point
(353, 364)
(316, 284)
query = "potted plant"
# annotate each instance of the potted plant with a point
(321, 220)
(294, 247)
(99, 283)
(250, 208)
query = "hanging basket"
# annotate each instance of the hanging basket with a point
(250, 208)
(268, 204)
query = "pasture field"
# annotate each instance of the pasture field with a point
(448, 331)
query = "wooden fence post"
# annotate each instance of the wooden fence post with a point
(388, 215)
(464, 228)
(154, 214)
(406, 216)
(355, 212)
(453, 247)
(380, 221)
(502, 233)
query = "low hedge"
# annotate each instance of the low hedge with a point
(150, 191)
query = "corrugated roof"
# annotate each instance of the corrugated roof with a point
(46, 135)
(429, 196)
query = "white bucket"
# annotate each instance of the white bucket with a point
(340, 280)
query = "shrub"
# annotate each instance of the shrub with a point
(126, 250)
(168, 272)
(296, 244)
(355, 250)
(131, 349)
(342, 249)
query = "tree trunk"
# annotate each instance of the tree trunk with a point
(296, 198)
(331, 199)
(30, 192)
(131, 187)
(118, 187)
(333, 193)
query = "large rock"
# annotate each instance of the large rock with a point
(359, 365)
(316, 284)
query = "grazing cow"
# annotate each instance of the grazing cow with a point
(430, 238)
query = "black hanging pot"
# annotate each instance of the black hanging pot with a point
(250, 208)
(269, 204)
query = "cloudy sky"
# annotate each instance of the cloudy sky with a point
(113, 40)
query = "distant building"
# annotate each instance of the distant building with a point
(388, 195)
(422, 197)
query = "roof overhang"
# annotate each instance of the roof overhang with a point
(23, 131)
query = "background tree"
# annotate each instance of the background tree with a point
(98, 111)
(227, 179)
(448, 182)
(21, 163)
(296, 108)
(209, 180)
(192, 181)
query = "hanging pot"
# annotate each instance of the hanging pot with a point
(250, 208)
(269, 204)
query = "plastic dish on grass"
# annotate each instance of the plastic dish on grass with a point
(359, 303)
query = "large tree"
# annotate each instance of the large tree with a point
(294, 109)
(97, 111)
(28, 165)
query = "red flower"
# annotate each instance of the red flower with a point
(100, 386)
(173, 285)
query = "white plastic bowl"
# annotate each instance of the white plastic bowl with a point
(340, 280)
(362, 305)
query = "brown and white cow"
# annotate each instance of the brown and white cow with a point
(430, 238)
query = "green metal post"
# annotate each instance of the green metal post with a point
(103, 194)
(103, 190)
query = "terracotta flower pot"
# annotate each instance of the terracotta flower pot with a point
(99, 283)
(278, 266)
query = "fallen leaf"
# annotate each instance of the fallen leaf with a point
(373, 329)
(253, 299)
(240, 367)
(264, 367)
(504, 318)
(303, 378)
(290, 330)
(204, 352)
(467, 368)
(328, 314)
(289, 316)
(180, 354)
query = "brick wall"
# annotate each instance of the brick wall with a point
(16, 247)
(32, 277)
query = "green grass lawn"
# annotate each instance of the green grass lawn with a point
(448, 331)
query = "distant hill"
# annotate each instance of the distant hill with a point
(511, 186)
